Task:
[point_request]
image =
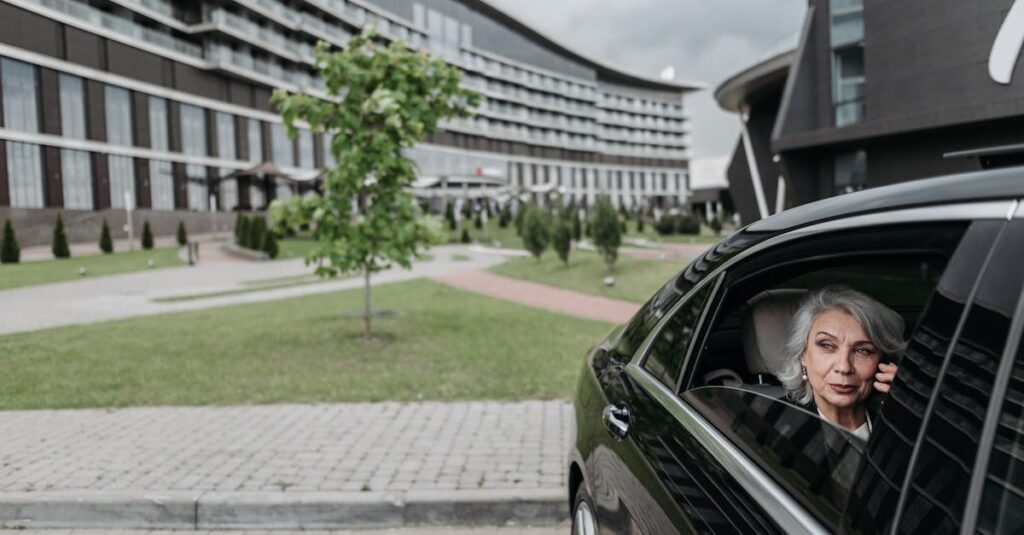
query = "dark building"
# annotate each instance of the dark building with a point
(164, 105)
(875, 92)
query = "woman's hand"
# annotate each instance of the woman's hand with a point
(883, 379)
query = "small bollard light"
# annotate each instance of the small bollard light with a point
(609, 281)
(150, 262)
(81, 270)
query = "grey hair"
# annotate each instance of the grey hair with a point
(883, 326)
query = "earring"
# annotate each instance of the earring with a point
(803, 370)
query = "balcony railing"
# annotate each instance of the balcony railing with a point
(128, 28)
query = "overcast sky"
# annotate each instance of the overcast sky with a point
(705, 40)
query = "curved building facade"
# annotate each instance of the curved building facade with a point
(164, 105)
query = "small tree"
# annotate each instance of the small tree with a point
(504, 217)
(10, 251)
(60, 240)
(716, 225)
(536, 231)
(640, 223)
(561, 239)
(520, 215)
(449, 215)
(382, 101)
(106, 243)
(242, 231)
(182, 234)
(465, 236)
(269, 244)
(147, 236)
(607, 236)
(257, 230)
(477, 222)
(577, 227)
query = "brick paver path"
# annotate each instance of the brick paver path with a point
(541, 296)
(290, 448)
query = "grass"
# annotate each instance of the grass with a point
(444, 344)
(46, 271)
(635, 279)
(706, 236)
(294, 248)
(306, 280)
(491, 235)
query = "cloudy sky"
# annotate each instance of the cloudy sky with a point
(705, 40)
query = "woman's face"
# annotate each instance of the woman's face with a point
(841, 361)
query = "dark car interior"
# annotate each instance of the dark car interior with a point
(744, 347)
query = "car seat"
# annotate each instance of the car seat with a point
(765, 321)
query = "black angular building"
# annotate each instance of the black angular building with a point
(163, 105)
(875, 92)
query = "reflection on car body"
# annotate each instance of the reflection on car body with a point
(702, 438)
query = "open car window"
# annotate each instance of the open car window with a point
(812, 460)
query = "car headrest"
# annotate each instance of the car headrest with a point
(764, 328)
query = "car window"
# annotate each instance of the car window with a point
(899, 267)
(1002, 500)
(812, 460)
(669, 348)
(937, 489)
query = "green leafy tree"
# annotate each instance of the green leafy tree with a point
(577, 227)
(382, 101)
(257, 231)
(60, 240)
(10, 251)
(106, 243)
(269, 244)
(536, 231)
(242, 231)
(607, 235)
(504, 217)
(147, 236)
(520, 216)
(182, 234)
(561, 239)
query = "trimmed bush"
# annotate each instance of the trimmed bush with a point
(10, 251)
(242, 231)
(106, 243)
(257, 230)
(239, 221)
(449, 215)
(60, 240)
(666, 225)
(147, 236)
(577, 227)
(606, 228)
(716, 225)
(182, 235)
(520, 214)
(504, 217)
(640, 224)
(465, 236)
(561, 239)
(688, 224)
(269, 244)
(536, 231)
(477, 223)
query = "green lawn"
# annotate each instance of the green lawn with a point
(635, 279)
(706, 236)
(444, 344)
(294, 248)
(491, 235)
(44, 271)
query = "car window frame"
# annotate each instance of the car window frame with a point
(778, 504)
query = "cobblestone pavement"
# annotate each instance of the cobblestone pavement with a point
(431, 530)
(290, 448)
(542, 296)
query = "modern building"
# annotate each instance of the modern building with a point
(875, 93)
(163, 105)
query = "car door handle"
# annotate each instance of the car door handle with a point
(616, 420)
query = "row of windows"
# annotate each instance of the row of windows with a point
(524, 175)
(847, 37)
(639, 105)
(525, 78)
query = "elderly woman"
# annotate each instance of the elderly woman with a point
(836, 349)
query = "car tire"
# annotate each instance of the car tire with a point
(584, 521)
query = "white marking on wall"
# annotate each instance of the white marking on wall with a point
(1007, 47)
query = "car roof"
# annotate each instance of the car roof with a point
(993, 184)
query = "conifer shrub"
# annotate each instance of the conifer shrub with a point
(607, 231)
(147, 236)
(465, 236)
(536, 231)
(106, 242)
(182, 234)
(688, 224)
(269, 245)
(561, 239)
(10, 251)
(60, 240)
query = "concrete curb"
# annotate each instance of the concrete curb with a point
(282, 510)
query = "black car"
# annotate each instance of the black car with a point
(682, 425)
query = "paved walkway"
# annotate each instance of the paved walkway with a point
(429, 530)
(287, 466)
(542, 296)
(129, 295)
(45, 252)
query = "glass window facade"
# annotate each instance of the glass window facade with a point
(122, 181)
(328, 154)
(119, 115)
(193, 142)
(255, 141)
(281, 147)
(76, 165)
(161, 178)
(306, 159)
(21, 112)
(851, 172)
(228, 189)
(847, 38)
